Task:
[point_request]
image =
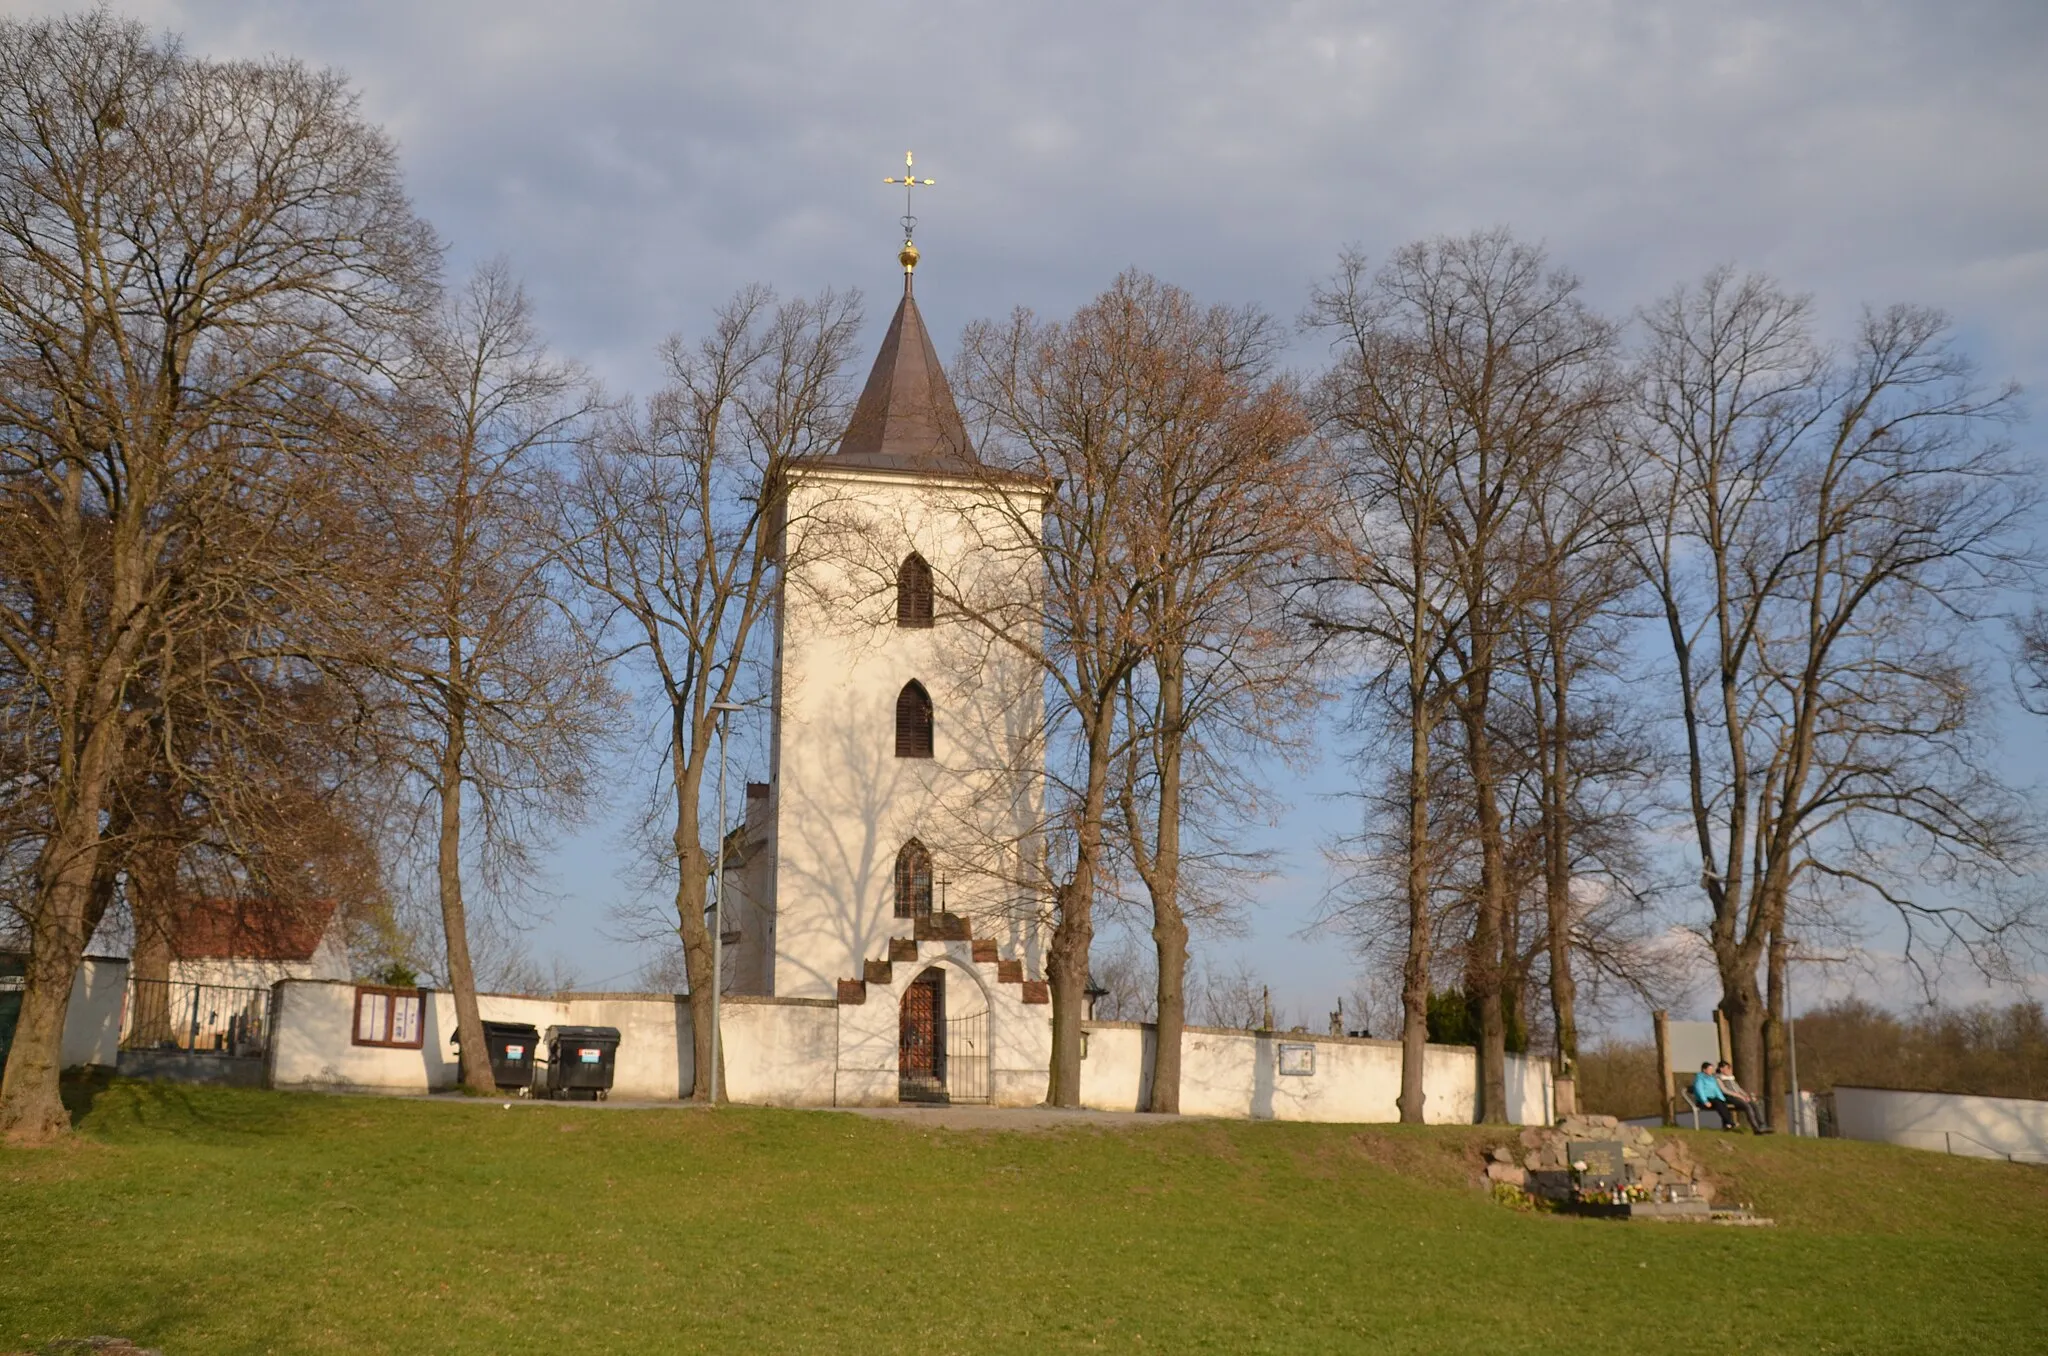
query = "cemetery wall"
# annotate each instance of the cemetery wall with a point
(1976, 1127)
(92, 1022)
(792, 1052)
(312, 1043)
(1297, 1077)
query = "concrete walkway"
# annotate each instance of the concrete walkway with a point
(1021, 1118)
(1005, 1117)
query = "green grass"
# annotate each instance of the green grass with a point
(223, 1221)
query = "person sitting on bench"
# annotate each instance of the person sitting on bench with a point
(1732, 1090)
(1706, 1091)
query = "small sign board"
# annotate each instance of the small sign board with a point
(1602, 1158)
(515, 1052)
(593, 1056)
(1297, 1059)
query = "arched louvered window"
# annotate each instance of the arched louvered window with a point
(914, 593)
(913, 881)
(913, 721)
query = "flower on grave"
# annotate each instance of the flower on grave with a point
(1579, 1165)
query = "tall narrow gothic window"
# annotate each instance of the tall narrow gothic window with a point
(913, 881)
(913, 721)
(914, 593)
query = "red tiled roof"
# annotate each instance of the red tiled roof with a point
(249, 929)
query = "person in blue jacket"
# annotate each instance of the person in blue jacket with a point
(1706, 1090)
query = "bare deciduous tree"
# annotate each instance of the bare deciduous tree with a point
(496, 701)
(1227, 504)
(1057, 405)
(1498, 372)
(1382, 582)
(1822, 528)
(198, 262)
(677, 529)
(1579, 527)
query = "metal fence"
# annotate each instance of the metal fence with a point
(210, 1019)
(967, 1059)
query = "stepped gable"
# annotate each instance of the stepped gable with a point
(906, 419)
(984, 955)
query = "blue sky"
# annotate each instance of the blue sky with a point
(637, 162)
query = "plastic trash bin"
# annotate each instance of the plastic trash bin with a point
(581, 1060)
(512, 1046)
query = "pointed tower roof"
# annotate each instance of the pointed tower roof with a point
(906, 419)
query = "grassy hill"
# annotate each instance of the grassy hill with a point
(222, 1221)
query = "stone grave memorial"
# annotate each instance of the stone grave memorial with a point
(1594, 1165)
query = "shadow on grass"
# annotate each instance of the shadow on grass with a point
(110, 1105)
(80, 1088)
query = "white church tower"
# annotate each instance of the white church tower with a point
(890, 862)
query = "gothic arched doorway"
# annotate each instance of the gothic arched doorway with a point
(921, 1040)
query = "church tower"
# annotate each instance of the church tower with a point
(903, 837)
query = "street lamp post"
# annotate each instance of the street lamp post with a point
(723, 710)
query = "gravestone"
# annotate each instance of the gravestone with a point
(1602, 1158)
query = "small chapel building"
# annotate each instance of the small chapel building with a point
(890, 863)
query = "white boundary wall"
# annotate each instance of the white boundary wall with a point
(311, 1044)
(817, 1052)
(1947, 1122)
(1238, 1074)
(92, 1019)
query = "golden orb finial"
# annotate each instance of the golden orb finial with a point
(907, 257)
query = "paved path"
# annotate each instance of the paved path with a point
(1025, 1118)
(1004, 1117)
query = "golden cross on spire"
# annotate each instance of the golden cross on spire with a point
(910, 183)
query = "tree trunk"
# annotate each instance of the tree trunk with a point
(1557, 871)
(1415, 965)
(73, 897)
(1067, 968)
(1774, 1088)
(475, 1062)
(1169, 923)
(31, 1103)
(1170, 941)
(1487, 936)
(1074, 932)
(1743, 1004)
(693, 880)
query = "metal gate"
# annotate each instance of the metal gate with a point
(967, 1058)
(920, 1043)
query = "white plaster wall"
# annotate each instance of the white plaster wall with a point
(1977, 1127)
(92, 1022)
(312, 1045)
(782, 1052)
(778, 1052)
(1235, 1074)
(844, 803)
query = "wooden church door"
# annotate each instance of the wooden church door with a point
(920, 1053)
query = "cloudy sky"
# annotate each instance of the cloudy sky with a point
(637, 162)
